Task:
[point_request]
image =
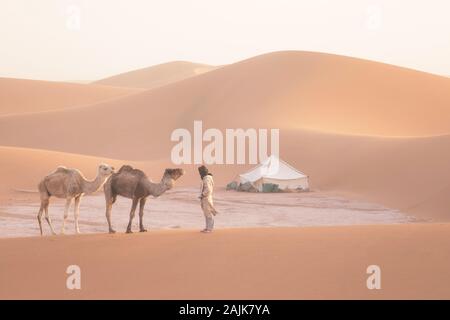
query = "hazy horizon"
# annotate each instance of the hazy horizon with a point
(79, 40)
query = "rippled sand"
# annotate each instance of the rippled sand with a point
(180, 208)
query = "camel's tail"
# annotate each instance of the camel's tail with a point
(25, 190)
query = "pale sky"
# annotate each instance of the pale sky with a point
(92, 39)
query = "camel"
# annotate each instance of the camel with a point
(133, 184)
(69, 184)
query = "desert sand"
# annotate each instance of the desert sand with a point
(353, 125)
(156, 76)
(262, 263)
(384, 117)
(18, 96)
(372, 138)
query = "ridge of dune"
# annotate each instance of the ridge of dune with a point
(19, 96)
(31, 165)
(156, 76)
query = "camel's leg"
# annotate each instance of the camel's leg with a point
(66, 214)
(41, 212)
(109, 198)
(141, 215)
(47, 217)
(77, 213)
(133, 210)
(108, 215)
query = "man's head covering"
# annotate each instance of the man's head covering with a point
(203, 171)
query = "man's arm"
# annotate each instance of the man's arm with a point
(207, 187)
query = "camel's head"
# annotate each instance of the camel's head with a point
(105, 170)
(171, 175)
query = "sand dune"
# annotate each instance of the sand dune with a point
(157, 76)
(408, 174)
(309, 90)
(21, 96)
(287, 90)
(291, 91)
(280, 263)
(31, 165)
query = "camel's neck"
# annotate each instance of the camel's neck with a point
(157, 189)
(94, 185)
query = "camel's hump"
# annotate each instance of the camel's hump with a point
(131, 170)
(62, 169)
(125, 168)
(65, 170)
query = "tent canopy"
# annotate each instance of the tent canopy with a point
(275, 170)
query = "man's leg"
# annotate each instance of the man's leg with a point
(206, 223)
(210, 223)
(205, 214)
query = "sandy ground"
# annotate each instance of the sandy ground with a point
(179, 208)
(262, 263)
(370, 136)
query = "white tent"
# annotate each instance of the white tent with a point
(276, 171)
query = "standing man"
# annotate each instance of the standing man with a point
(206, 198)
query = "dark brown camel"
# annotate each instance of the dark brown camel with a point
(134, 184)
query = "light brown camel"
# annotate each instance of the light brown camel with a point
(134, 184)
(69, 184)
